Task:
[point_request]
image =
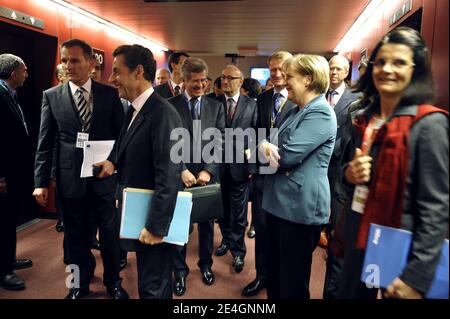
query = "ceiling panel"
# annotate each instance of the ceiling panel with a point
(216, 28)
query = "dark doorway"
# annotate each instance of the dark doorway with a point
(414, 21)
(38, 51)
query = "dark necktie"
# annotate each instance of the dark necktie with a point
(130, 113)
(83, 109)
(331, 97)
(177, 90)
(231, 108)
(192, 105)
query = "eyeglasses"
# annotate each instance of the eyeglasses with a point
(229, 78)
(397, 64)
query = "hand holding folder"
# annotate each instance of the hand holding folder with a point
(387, 254)
(137, 205)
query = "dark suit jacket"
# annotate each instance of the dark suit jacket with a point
(211, 116)
(143, 161)
(340, 109)
(164, 90)
(245, 117)
(264, 108)
(60, 124)
(16, 162)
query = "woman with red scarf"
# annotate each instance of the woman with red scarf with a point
(396, 167)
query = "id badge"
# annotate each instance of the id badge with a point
(81, 138)
(360, 196)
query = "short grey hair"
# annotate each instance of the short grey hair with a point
(9, 63)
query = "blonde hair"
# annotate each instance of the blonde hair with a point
(279, 55)
(315, 66)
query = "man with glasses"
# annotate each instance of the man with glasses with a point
(193, 106)
(240, 113)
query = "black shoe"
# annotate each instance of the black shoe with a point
(222, 249)
(59, 226)
(77, 293)
(238, 264)
(12, 282)
(22, 264)
(95, 245)
(123, 263)
(251, 232)
(253, 288)
(208, 276)
(179, 288)
(117, 293)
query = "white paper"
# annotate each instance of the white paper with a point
(94, 152)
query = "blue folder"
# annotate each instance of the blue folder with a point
(387, 255)
(137, 205)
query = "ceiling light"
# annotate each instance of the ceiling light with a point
(363, 17)
(131, 36)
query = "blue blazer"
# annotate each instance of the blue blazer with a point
(299, 191)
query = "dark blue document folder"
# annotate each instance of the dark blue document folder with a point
(137, 206)
(387, 254)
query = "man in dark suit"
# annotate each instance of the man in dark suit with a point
(16, 168)
(194, 107)
(173, 87)
(340, 97)
(240, 112)
(143, 160)
(273, 108)
(79, 110)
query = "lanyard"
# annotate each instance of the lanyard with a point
(275, 117)
(370, 134)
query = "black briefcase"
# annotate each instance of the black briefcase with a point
(206, 203)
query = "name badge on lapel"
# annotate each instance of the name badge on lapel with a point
(81, 138)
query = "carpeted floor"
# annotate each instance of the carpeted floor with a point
(46, 279)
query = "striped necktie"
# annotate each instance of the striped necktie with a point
(83, 109)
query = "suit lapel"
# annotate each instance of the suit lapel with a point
(240, 108)
(268, 107)
(68, 106)
(206, 114)
(182, 106)
(96, 105)
(127, 135)
(343, 101)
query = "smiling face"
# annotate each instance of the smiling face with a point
(196, 83)
(77, 65)
(123, 79)
(297, 86)
(276, 74)
(393, 68)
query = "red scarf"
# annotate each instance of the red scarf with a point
(384, 205)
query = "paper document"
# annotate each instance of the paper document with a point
(94, 152)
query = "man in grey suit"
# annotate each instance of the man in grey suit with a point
(79, 110)
(340, 97)
(192, 106)
(240, 112)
